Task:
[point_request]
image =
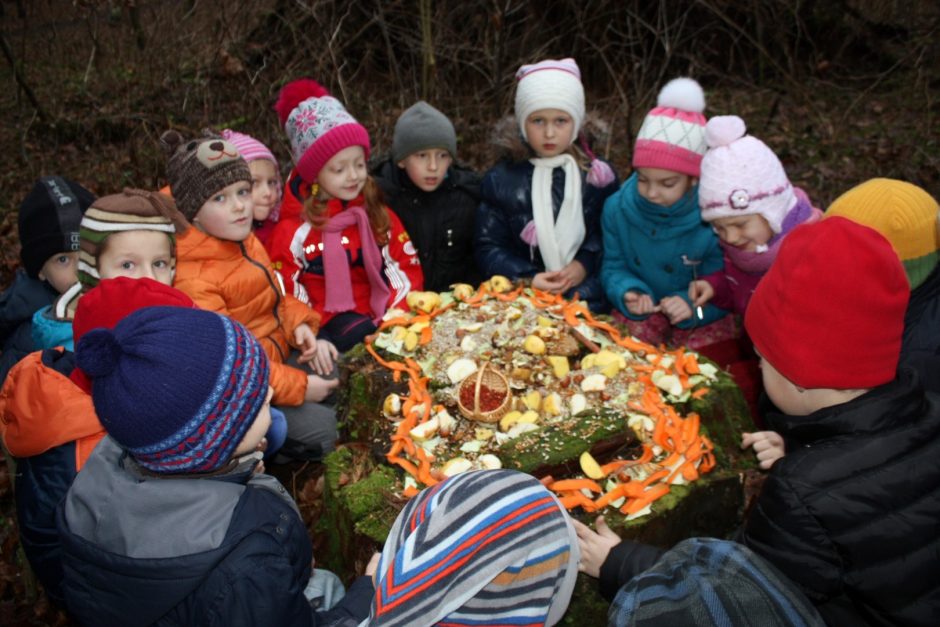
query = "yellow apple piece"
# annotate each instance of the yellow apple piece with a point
(552, 405)
(509, 420)
(499, 284)
(482, 433)
(462, 291)
(534, 344)
(418, 327)
(610, 370)
(461, 369)
(588, 361)
(560, 365)
(545, 322)
(411, 340)
(594, 383)
(533, 400)
(578, 404)
(529, 416)
(590, 467)
(425, 430)
(489, 461)
(392, 405)
(456, 466)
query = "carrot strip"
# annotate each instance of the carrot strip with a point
(576, 484)
(700, 393)
(410, 492)
(613, 466)
(691, 364)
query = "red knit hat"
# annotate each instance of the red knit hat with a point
(111, 301)
(830, 311)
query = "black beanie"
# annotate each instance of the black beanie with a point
(49, 220)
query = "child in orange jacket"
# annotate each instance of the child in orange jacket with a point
(224, 268)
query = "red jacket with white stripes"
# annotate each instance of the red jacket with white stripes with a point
(296, 249)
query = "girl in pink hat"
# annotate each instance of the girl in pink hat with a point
(745, 195)
(654, 240)
(267, 188)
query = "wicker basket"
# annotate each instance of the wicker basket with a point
(489, 378)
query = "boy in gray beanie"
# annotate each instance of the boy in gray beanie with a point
(435, 198)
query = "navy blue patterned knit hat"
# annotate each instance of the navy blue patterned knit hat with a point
(708, 582)
(177, 388)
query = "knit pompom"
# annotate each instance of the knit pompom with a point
(98, 353)
(684, 94)
(295, 92)
(723, 129)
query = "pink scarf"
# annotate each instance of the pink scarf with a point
(339, 293)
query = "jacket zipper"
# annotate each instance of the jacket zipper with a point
(277, 293)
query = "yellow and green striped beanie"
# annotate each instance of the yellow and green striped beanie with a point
(904, 214)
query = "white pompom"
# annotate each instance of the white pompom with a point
(684, 94)
(721, 130)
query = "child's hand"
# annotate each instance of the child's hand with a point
(768, 445)
(373, 565)
(551, 282)
(573, 274)
(676, 309)
(595, 545)
(700, 292)
(325, 358)
(639, 304)
(318, 388)
(306, 340)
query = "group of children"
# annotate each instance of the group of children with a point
(187, 335)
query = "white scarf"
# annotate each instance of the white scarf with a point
(559, 240)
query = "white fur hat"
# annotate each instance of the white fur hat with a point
(550, 84)
(742, 176)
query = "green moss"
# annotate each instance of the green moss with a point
(587, 606)
(553, 445)
(369, 494)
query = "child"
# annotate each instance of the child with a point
(907, 216)
(850, 513)
(489, 547)
(48, 423)
(224, 268)
(348, 256)
(540, 214)
(654, 241)
(128, 234)
(435, 198)
(745, 195)
(267, 189)
(172, 520)
(48, 230)
(700, 581)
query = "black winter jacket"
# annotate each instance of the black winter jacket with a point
(507, 208)
(228, 550)
(920, 346)
(852, 512)
(440, 223)
(18, 303)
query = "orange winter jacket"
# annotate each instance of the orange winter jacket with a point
(236, 279)
(40, 409)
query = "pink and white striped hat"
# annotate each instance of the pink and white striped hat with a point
(673, 133)
(252, 150)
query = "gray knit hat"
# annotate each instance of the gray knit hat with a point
(420, 127)
(200, 167)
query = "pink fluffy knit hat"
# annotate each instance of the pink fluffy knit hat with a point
(253, 150)
(742, 176)
(673, 133)
(317, 126)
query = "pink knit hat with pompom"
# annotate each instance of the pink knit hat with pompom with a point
(742, 176)
(317, 126)
(253, 150)
(673, 133)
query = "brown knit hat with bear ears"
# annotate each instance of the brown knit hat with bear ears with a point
(200, 167)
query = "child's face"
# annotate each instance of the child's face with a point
(663, 187)
(744, 232)
(60, 271)
(427, 168)
(550, 132)
(344, 175)
(257, 430)
(265, 188)
(227, 215)
(136, 255)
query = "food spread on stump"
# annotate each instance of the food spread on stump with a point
(494, 374)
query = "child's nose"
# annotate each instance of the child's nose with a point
(432, 164)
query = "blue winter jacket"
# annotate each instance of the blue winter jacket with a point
(648, 247)
(49, 331)
(507, 208)
(18, 303)
(225, 550)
